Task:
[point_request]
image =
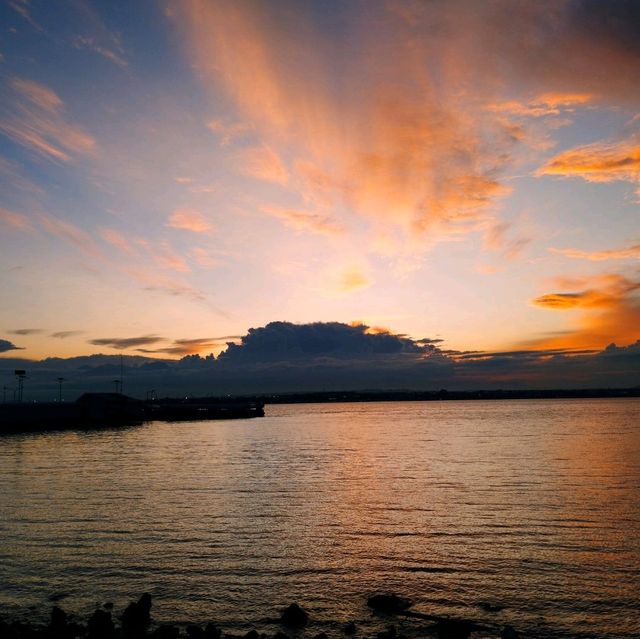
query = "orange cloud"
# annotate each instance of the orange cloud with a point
(608, 311)
(265, 164)
(352, 278)
(189, 220)
(600, 162)
(38, 94)
(118, 240)
(38, 124)
(154, 281)
(397, 144)
(15, 220)
(632, 252)
(304, 221)
(542, 106)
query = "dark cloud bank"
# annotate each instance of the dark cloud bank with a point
(285, 357)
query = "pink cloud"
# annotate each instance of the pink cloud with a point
(187, 219)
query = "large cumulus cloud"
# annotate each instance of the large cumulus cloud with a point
(285, 357)
(280, 341)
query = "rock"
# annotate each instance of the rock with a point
(58, 621)
(252, 634)
(455, 628)
(280, 635)
(100, 625)
(166, 631)
(212, 632)
(349, 628)
(136, 616)
(294, 617)
(321, 635)
(108, 605)
(195, 632)
(77, 629)
(509, 632)
(389, 603)
(490, 607)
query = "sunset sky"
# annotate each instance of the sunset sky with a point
(174, 173)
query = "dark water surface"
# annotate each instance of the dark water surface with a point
(533, 505)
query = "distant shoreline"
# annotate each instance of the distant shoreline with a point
(441, 395)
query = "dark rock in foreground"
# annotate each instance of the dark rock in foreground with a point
(137, 616)
(166, 632)
(136, 621)
(101, 625)
(294, 617)
(455, 628)
(389, 603)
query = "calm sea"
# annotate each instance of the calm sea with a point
(532, 506)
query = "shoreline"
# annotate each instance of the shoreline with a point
(390, 615)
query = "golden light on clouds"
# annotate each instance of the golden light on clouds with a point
(607, 307)
(405, 160)
(600, 162)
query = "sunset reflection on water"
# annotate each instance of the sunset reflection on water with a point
(532, 505)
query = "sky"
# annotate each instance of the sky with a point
(173, 174)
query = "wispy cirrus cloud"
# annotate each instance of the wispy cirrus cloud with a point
(71, 233)
(153, 281)
(305, 221)
(96, 36)
(626, 253)
(548, 104)
(497, 239)
(114, 54)
(228, 131)
(16, 221)
(117, 239)
(188, 219)
(38, 123)
(167, 258)
(26, 331)
(263, 163)
(23, 8)
(65, 334)
(421, 131)
(123, 343)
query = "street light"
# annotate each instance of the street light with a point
(60, 380)
(20, 376)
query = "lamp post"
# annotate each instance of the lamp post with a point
(20, 376)
(60, 380)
